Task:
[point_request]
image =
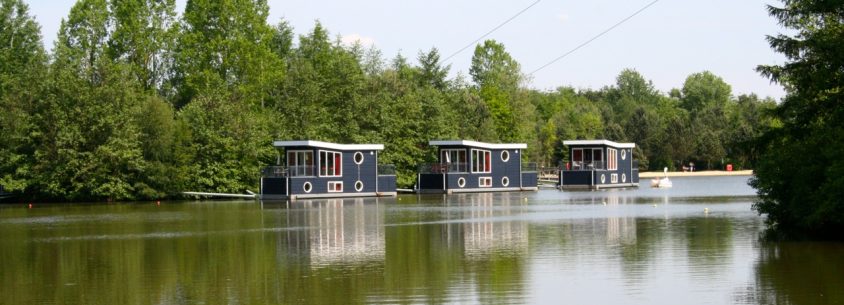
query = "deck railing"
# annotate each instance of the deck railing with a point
(274, 172)
(529, 167)
(432, 168)
(288, 171)
(386, 170)
(588, 166)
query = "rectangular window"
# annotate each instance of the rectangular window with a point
(330, 164)
(613, 178)
(455, 158)
(335, 186)
(612, 159)
(598, 158)
(577, 159)
(481, 161)
(485, 181)
(300, 163)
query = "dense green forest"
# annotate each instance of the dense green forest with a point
(138, 101)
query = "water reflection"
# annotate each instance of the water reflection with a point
(796, 273)
(487, 225)
(546, 247)
(335, 230)
(620, 230)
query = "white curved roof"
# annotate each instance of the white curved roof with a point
(599, 142)
(479, 144)
(328, 145)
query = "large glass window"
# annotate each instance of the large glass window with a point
(300, 163)
(612, 159)
(330, 164)
(577, 159)
(598, 158)
(481, 161)
(587, 159)
(456, 159)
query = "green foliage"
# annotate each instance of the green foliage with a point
(22, 70)
(143, 36)
(800, 173)
(225, 44)
(140, 102)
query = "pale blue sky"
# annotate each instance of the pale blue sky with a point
(665, 43)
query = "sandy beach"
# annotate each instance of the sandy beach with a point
(697, 174)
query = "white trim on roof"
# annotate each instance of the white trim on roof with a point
(327, 145)
(479, 144)
(599, 142)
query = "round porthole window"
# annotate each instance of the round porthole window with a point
(358, 157)
(623, 178)
(603, 178)
(307, 187)
(505, 181)
(461, 182)
(359, 186)
(505, 155)
(623, 154)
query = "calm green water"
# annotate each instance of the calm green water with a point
(645, 246)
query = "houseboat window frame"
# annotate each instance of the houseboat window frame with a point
(305, 172)
(486, 163)
(505, 181)
(323, 170)
(595, 164)
(575, 163)
(583, 164)
(482, 181)
(503, 153)
(307, 187)
(459, 167)
(612, 159)
(358, 186)
(461, 182)
(355, 158)
(335, 189)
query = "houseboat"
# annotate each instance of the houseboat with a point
(598, 164)
(469, 166)
(314, 169)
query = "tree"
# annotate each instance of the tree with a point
(800, 174)
(321, 93)
(226, 44)
(702, 90)
(23, 67)
(498, 76)
(433, 73)
(143, 37)
(632, 91)
(88, 143)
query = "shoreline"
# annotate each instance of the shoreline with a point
(696, 174)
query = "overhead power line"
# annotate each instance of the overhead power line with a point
(490, 31)
(595, 37)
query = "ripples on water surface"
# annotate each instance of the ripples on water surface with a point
(635, 246)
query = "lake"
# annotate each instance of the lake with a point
(633, 246)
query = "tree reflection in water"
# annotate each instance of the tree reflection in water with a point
(797, 273)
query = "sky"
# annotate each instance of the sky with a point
(666, 42)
